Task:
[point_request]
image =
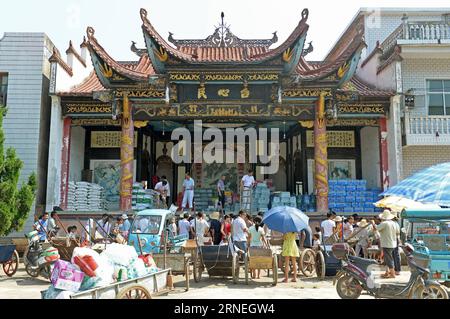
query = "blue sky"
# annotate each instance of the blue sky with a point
(117, 22)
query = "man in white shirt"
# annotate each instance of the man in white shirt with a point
(104, 226)
(188, 191)
(184, 225)
(389, 232)
(200, 227)
(239, 231)
(164, 190)
(328, 226)
(247, 183)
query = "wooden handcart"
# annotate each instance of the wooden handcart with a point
(191, 248)
(9, 258)
(223, 261)
(145, 287)
(263, 258)
(178, 262)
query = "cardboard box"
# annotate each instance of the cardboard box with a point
(66, 276)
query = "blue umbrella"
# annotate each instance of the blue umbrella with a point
(431, 185)
(286, 219)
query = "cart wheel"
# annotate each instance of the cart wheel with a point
(235, 269)
(307, 262)
(246, 268)
(275, 270)
(320, 265)
(33, 272)
(134, 292)
(198, 270)
(10, 267)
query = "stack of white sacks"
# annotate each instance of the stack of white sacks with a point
(85, 196)
(71, 196)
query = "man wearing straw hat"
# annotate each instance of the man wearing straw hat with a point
(388, 230)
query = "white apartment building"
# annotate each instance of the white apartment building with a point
(408, 50)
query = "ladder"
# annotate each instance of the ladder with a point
(246, 200)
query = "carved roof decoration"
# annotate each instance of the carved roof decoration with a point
(223, 37)
(223, 46)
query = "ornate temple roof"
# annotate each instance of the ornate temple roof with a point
(223, 46)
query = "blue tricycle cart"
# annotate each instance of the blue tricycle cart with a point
(429, 232)
(9, 258)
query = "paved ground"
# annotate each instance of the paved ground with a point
(22, 286)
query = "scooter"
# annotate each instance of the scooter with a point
(356, 276)
(38, 261)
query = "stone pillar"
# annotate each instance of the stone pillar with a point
(384, 159)
(65, 162)
(126, 156)
(321, 155)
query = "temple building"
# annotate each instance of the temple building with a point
(114, 127)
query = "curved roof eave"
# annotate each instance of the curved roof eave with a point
(299, 31)
(97, 49)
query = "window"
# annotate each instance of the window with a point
(3, 88)
(438, 97)
(146, 225)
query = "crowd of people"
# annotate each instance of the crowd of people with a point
(246, 231)
(106, 227)
(382, 232)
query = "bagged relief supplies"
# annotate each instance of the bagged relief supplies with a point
(94, 265)
(87, 259)
(120, 254)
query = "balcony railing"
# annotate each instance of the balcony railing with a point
(427, 130)
(427, 31)
(415, 31)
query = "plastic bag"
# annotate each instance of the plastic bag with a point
(89, 282)
(50, 293)
(148, 260)
(87, 264)
(120, 254)
(137, 269)
(104, 272)
(87, 259)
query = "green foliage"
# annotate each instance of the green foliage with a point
(15, 204)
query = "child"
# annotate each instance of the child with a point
(72, 232)
(319, 232)
(317, 242)
(290, 249)
(257, 239)
(172, 227)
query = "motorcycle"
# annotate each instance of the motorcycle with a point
(356, 276)
(37, 260)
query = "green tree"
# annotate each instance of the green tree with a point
(15, 203)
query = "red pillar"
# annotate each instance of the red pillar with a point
(126, 156)
(321, 155)
(65, 162)
(384, 159)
